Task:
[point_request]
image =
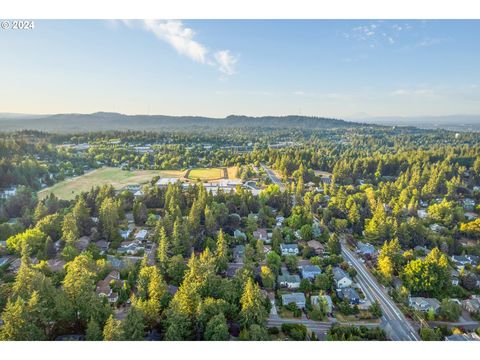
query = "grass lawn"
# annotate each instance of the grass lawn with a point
(206, 174)
(118, 178)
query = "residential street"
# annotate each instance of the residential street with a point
(393, 321)
(273, 177)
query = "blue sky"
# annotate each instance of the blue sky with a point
(254, 67)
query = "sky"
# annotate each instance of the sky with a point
(341, 69)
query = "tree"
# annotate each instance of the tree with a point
(449, 311)
(217, 329)
(34, 239)
(333, 245)
(139, 212)
(471, 228)
(252, 309)
(94, 333)
(385, 267)
(109, 217)
(151, 288)
(376, 310)
(134, 325)
(162, 252)
(221, 252)
(430, 276)
(268, 278)
(17, 321)
(81, 214)
(274, 262)
(292, 263)
(70, 230)
(112, 330)
(176, 269)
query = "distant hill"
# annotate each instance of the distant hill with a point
(449, 122)
(103, 121)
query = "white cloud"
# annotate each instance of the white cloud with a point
(226, 62)
(182, 39)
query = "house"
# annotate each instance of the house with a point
(422, 214)
(238, 253)
(125, 233)
(315, 300)
(82, 243)
(455, 277)
(261, 234)
(4, 261)
(130, 248)
(472, 305)
(104, 288)
(279, 221)
(56, 265)
(289, 281)
(462, 260)
(138, 194)
(424, 304)
(436, 228)
(310, 271)
(341, 278)
(141, 235)
(468, 204)
(470, 216)
(238, 234)
(297, 298)
(289, 249)
(366, 249)
(350, 294)
(317, 246)
(463, 337)
(103, 246)
(9, 192)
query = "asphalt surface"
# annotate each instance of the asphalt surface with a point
(393, 322)
(274, 178)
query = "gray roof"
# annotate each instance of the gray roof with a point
(289, 278)
(349, 293)
(339, 274)
(293, 297)
(288, 246)
(365, 248)
(311, 269)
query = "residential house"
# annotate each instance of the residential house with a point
(125, 233)
(424, 304)
(279, 221)
(56, 265)
(436, 228)
(104, 288)
(341, 278)
(472, 305)
(468, 204)
(350, 294)
(130, 248)
(422, 214)
(455, 277)
(297, 298)
(366, 250)
(238, 253)
(103, 246)
(141, 235)
(289, 281)
(470, 216)
(310, 271)
(138, 194)
(289, 249)
(9, 192)
(317, 246)
(261, 234)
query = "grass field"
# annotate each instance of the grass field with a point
(232, 172)
(206, 174)
(118, 178)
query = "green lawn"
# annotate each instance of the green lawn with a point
(118, 178)
(206, 174)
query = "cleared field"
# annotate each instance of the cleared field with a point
(206, 174)
(118, 178)
(232, 172)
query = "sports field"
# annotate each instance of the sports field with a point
(118, 178)
(206, 174)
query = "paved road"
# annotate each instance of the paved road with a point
(273, 177)
(393, 320)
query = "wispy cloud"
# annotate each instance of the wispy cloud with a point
(182, 39)
(378, 33)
